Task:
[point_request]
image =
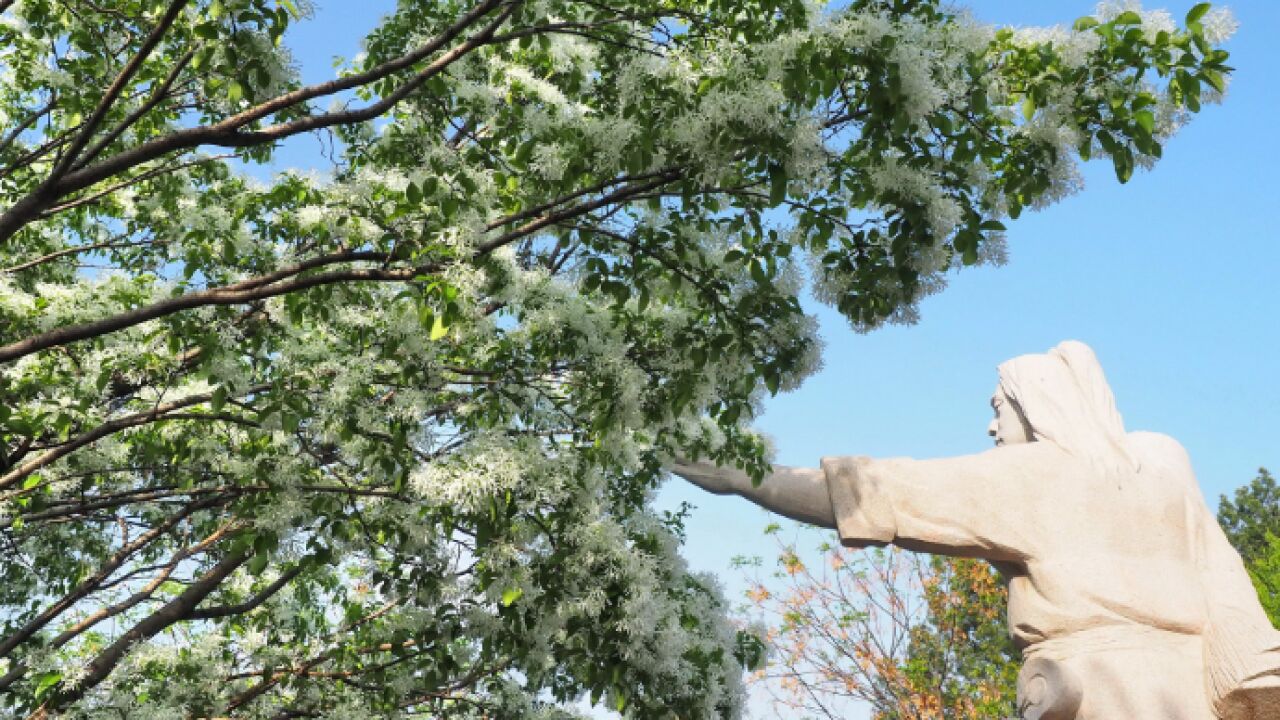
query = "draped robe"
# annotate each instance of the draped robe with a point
(1123, 577)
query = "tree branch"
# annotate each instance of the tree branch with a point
(16, 475)
(27, 122)
(253, 602)
(157, 96)
(90, 583)
(267, 286)
(250, 290)
(154, 172)
(113, 91)
(110, 244)
(176, 610)
(88, 505)
(226, 133)
(150, 588)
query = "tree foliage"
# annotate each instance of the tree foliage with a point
(915, 637)
(1252, 523)
(962, 654)
(1251, 514)
(380, 441)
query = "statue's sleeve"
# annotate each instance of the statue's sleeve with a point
(982, 505)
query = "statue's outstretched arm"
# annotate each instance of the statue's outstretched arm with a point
(797, 493)
(990, 505)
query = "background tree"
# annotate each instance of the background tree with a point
(380, 442)
(1252, 523)
(962, 654)
(913, 636)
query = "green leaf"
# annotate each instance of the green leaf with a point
(777, 185)
(1145, 120)
(219, 399)
(44, 682)
(1015, 208)
(1128, 17)
(978, 101)
(235, 91)
(1215, 80)
(510, 595)
(772, 382)
(170, 588)
(1085, 23)
(258, 563)
(438, 328)
(292, 7)
(1197, 12)
(1123, 161)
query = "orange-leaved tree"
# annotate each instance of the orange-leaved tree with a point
(916, 637)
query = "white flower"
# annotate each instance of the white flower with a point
(549, 160)
(1219, 25)
(1074, 48)
(310, 216)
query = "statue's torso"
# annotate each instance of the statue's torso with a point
(1140, 565)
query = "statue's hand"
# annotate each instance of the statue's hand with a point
(1048, 690)
(712, 478)
(797, 493)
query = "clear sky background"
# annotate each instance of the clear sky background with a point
(1172, 279)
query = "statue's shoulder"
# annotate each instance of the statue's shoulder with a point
(1153, 448)
(1147, 440)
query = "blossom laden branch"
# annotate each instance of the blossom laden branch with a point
(229, 132)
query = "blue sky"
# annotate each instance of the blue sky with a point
(1170, 278)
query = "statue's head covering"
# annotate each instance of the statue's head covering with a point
(1065, 399)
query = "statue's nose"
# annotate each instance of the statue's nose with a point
(992, 427)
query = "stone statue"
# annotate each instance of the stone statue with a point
(1125, 597)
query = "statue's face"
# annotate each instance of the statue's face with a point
(1008, 427)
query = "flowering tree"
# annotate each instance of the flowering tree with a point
(381, 442)
(914, 637)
